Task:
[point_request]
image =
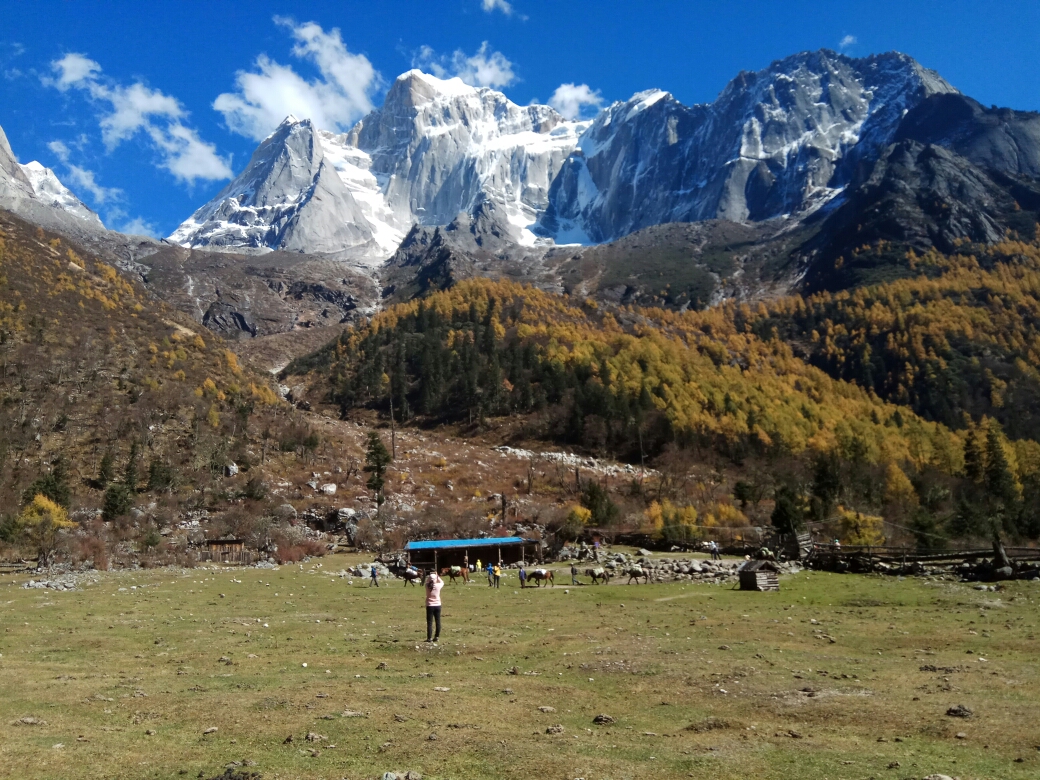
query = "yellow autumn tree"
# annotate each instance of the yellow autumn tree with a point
(40, 525)
(900, 496)
(860, 530)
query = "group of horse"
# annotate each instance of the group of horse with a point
(598, 575)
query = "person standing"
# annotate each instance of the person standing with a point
(479, 567)
(522, 574)
(498, 574)
(375, 577)
(574, 574)
(433, 606)
(491, 575)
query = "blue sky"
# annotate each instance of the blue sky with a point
(145, 109)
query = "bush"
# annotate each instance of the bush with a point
(53, 485)
(255, 489)
(293, 553)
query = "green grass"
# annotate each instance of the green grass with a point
(103, 666)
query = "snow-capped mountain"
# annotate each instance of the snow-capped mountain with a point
(436, 148)
(34, 192)
(51, 191)
(780, 141)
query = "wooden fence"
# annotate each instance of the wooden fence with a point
(243, 557)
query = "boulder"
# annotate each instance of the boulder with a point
(231, 470)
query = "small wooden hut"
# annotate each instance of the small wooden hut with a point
(759, 575)
(225, 551)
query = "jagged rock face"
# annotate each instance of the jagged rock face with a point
(443, 147)
(435, 149)
(998, 139)
(35, 193)
(288, 197)
(50, 191)
(13, 181)
(776, 142)
(917, 196)
(780, 141)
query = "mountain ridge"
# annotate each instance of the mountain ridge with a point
(778, 141)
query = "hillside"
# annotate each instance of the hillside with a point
(94, 369)
(680, 389)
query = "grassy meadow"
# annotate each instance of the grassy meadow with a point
(833, 677)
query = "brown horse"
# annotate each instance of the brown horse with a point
(635, 572)
(540, 576)
(598, 574)
(451, 572)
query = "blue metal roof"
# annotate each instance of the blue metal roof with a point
(440, 544)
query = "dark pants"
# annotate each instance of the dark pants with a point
(374, 582)
(498, 579)
(433, 614)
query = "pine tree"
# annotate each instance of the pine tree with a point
(377, 458)
(54, 486)
(788, 513)
(130, 473)
(999, 481)
(974, 460)
(106, 469)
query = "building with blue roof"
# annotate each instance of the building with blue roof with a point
(503, 550)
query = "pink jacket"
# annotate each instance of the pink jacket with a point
(433, 591)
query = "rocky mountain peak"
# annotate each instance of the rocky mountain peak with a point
(776, 142)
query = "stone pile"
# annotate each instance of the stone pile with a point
(971, 570)
(68, 581)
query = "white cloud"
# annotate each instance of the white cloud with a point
(60, 150)
(484, 69)
(72, 70)
(85, 180)
(134, 108)
(497, 5)
(570, 99)
(138, 226)
(335, 100)
(848, 40)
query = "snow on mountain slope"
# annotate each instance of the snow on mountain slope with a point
(289, 196)
(436, 148)
(35, 193)
(780, 141)
(51, 191)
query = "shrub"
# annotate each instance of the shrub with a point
(119, 499)
(40, 524)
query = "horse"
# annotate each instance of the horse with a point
(540, 576)
(451, 572)
(409, 574)
(635, 572)
(598, 574)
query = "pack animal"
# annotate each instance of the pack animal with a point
(451, 572)
(409, 574)
(635, 572)
(599, 575)
(540, 576)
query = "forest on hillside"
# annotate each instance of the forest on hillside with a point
(120, 411)
(885, 406)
